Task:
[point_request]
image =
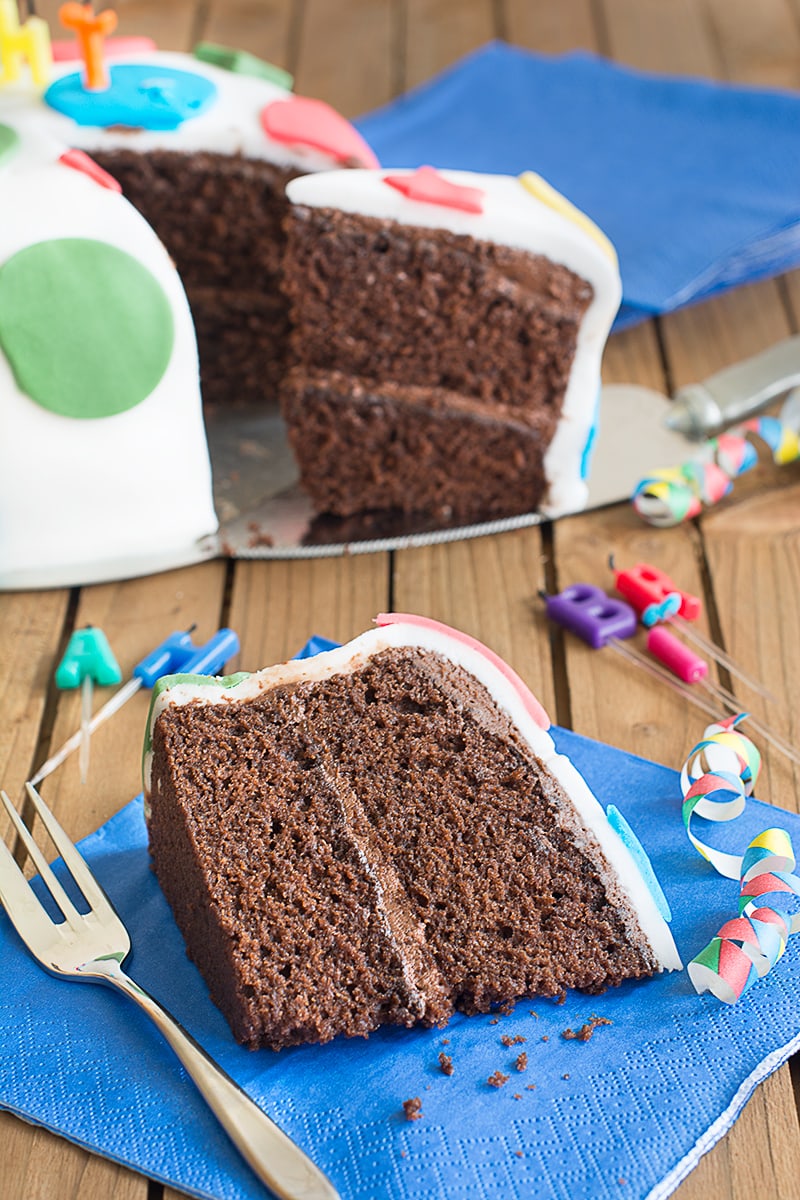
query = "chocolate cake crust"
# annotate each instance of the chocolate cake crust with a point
(221, 218)
(429, 370)
(384, 302)
(378, 847)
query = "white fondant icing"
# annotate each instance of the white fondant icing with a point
(511, 216)
(355, 654)
(231, 125)
(82, 500)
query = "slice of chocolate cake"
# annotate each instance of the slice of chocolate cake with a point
(448, 332)
(385, 834)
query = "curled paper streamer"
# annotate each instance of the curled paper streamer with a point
(716, 779)
(782, 439)
(677, 494)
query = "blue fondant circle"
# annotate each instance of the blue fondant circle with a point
(140, 95)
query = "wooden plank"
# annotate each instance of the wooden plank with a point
(172, 26)
(32, 1156)
(488, 588)
(633, 356)
(439, 31)
(758, 43)
(790, 287)
(135, 615)
(611, 699)
(336, 37)
(666, 38)
(551, 28)
(753, 551)
(706, 337)
(277, 606)
(262, 29)
(695, 342)
(763, 1155)
(30, 631)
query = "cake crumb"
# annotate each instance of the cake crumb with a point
(495, 1021)
(413, 1108)
(445, 1041)
(513, 1041)
(533, 1013)
(258, 537)
(585, 1032)
(498, 1079)
(518, 1153)
(561, 998)
(507, 1009)
(545, 1038)
(521, 1061)
(445, 1063)
(517, 1095)
(530, 1087)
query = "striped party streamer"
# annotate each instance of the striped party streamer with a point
(782, 439)
(675, 494)
(716, 779)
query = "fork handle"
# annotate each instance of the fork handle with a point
(274, 1157)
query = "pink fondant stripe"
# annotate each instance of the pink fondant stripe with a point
(532, 705)
(66, 49)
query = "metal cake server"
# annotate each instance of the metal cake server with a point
(264, 513)
(91, 948)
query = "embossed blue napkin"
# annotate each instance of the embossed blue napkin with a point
(697, 183)
(625, 1114)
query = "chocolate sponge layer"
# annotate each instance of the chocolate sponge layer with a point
(423, 307)
(221, 219)
(376, 848)
(362, 445)
(428, 369)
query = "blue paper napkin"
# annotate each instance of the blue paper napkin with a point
(624, 1115)
(697, 183)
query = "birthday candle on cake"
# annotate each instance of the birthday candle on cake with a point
(90, 28)
(27, 42)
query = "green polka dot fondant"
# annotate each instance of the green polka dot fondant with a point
(9, 141)
(87, 329)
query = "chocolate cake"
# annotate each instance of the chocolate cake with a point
(384, 834)
(203, 146)
(447, 336)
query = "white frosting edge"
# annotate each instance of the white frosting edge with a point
(231, 124)
(511, 216)
(355, 654)
(86, 489)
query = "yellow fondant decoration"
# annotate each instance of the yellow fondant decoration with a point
(548, 195)
(30, 41)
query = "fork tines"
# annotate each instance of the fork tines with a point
(75, 864)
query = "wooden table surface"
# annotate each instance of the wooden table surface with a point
(743, 558)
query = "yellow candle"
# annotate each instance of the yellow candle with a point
(19, 43)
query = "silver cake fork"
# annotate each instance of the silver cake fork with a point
(91, 948)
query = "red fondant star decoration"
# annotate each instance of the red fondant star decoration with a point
(299, 121)
(429, 187)
(87, 166)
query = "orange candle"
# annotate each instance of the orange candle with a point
(90, 29)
